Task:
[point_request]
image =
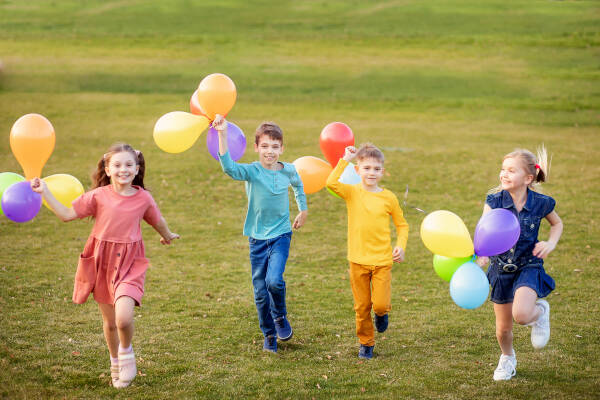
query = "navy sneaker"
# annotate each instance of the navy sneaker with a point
(381, 323)
(270, 344)
(365, 352)
(283, 328)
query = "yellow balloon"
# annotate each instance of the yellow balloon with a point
(64, 187)
(32, 141)
(177, 131)
(444, 233)
(314, 172)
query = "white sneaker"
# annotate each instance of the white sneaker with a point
(127, 369)
(540, 329)
(506, 369)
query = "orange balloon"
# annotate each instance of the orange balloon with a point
(32, 141)
(216, 94)
(314, 172)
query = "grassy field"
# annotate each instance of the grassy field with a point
(445, 88)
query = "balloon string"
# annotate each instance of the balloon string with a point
(408, 205)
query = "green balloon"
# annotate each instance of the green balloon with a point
(7, 179)
(445, 267)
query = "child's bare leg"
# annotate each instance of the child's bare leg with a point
(109, 326)
(504, 325)
(524, 309)
(124, 319)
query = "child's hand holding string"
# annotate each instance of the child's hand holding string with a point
(38, 185)
(349, 153)
(220, 123)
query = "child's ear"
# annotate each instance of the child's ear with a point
(255, 147)
(106, 171)
(529, 179)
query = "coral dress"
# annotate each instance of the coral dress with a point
(113, 262)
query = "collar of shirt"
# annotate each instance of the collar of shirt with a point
(507, 201)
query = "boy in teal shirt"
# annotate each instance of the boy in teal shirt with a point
(267, 223)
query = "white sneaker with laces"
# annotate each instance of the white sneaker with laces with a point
(506, 369)
(540, 329)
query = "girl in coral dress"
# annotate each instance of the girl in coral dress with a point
(113, 263)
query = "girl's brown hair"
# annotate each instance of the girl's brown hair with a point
(537, 166)
(99, 177)
(368, 150)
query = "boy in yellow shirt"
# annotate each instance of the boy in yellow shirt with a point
(369, 250)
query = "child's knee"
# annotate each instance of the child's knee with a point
(275, 284)
(109, 325)
(522, 317)
(123, 322)
(503, 331)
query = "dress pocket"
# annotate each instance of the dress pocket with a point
(85, 279)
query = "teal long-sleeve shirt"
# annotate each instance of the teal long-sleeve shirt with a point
(268, 213)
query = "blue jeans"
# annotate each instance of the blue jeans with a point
(268, 258)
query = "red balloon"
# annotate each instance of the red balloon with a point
(334, 139)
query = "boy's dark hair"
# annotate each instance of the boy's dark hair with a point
(368, 150)
(271, 129)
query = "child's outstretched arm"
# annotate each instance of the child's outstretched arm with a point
(333, 183)
(163, 229)
(237, 171)
(542, 249)
(220, 125)
(64, 213)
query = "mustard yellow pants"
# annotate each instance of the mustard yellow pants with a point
(371, 287)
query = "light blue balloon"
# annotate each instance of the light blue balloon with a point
(469, 286)
(350, 176)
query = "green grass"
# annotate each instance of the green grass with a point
(444, 88)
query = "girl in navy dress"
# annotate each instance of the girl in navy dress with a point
(517, 277)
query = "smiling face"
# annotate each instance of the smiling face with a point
(122, 168)
(513, 175)
(370, 171)
(268, 150)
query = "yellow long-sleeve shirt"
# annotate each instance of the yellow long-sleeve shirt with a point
(369, 240)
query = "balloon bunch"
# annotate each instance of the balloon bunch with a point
(177, 131)
(446, 235)
(32, 140)
(313, 171)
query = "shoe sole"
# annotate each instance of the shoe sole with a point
(287, 338)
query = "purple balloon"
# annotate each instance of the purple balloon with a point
(236, 142)
(496, 232)
(20, 203)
